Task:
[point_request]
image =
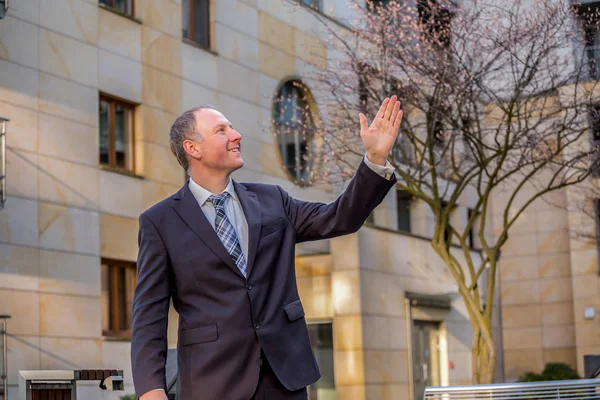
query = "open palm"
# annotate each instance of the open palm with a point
(379, 138)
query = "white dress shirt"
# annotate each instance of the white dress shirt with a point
(235, 213)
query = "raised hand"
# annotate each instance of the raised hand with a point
(379, 138)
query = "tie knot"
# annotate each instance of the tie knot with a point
(218, 200)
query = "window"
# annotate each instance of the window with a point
(321, 339)
(118, 283)
(403, 205)
(196, 21)
(116, 133)
(294, 128)
(595, 123)
(123, 6)
(373, 87)
(595, 139)
(315, 4)
(435, 20)
(588, 14)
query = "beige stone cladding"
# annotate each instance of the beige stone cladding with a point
(65, 212)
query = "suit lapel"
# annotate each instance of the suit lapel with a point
(187, 207)
(251, 208)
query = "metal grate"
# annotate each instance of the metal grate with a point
(581, 389)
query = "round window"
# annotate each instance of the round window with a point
(295, 128)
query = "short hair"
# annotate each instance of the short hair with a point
(184, 128)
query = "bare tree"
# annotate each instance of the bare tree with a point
(496, 98)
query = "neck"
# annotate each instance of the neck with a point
(210, 180)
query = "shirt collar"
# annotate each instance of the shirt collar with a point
(201, 194)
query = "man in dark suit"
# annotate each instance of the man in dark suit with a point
(224, 252)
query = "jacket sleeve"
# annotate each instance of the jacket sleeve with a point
(150, 310)
(316, 221)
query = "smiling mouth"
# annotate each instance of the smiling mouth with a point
(236, 150)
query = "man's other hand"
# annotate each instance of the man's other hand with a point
(379, 138)
(154, 395)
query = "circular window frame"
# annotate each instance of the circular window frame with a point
(315, 144)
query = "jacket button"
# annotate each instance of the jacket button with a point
(249, 286)
(256, 326)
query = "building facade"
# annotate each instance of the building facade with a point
(91, 89)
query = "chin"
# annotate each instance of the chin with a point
(238, 164)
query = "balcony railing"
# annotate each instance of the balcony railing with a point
(3, 123)
(577, 389)
(4, 371)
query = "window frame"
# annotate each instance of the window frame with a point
(112, 152)
(113, 7)
(117, 305)
(192, 23)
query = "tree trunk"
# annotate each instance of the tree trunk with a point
(484, 360)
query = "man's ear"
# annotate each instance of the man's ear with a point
(192, 149)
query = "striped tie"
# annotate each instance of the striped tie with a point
(226, 232)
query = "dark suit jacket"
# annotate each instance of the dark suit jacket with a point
(224, 319)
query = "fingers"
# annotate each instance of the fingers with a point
(398, 120)
(395, 112)
(381, 111)
(363, 122)
(390, 108)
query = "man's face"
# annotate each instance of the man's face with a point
(220, 148)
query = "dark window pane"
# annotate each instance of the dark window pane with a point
(122, 132)
(595, 117)
(124, 6)
(104, 131)
(321, 339)
(290, 157)
(185, 18)
(403, 203)
(435, 22)
(105, 2)
(304, 160)
(201, 22)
